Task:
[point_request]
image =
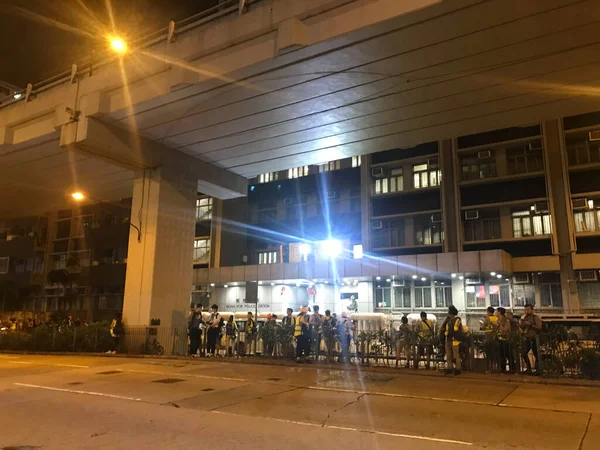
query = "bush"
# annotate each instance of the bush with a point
(590, 364)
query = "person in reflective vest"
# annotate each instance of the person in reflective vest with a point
(426, 339)
(503, 334)
(302, 336)
(489, 326)
(452, 333)
(250, 332)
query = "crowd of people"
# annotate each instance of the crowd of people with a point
(311, 336)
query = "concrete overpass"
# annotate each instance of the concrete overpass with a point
(284, 84)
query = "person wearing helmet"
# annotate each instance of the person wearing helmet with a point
(301, 334)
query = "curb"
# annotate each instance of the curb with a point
(518, 379)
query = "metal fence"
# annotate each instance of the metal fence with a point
(556, 353)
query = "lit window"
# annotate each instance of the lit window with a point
(393, 183)
(201, 251)
(268, 177)
(425, 176)
(356, 161)
(267, 258)
(297, 172)
(204, 208)
(4, 264)
(527, 223)
(443, 296)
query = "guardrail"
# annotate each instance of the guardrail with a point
(87, 65)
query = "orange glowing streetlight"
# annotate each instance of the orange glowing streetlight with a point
(118, 45)
(78, 196)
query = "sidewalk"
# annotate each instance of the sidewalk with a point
(497, 378)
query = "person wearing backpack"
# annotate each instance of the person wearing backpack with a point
(453, 335)
(215, 322)
(116, 331)
(426, 338)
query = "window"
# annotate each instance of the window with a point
(589, 295)
(390, 235)
(422, 294)
(499, 295)
(550, 291)
(268, 177)
(401, 297)
(524, 159)
(473, 167)
(4, 264)
(427, 232)
(201, 251)
(523, 294)
(527, 223)
(443, 296)
(486, 227)
(267, 216)
(383, 297)
(587, 221)
(475, 296)
(356, 161)
(580, 150)
(393, 183)
(267, 257)
(330, 166)
(298, 172)
(204, 208)
(425, 176)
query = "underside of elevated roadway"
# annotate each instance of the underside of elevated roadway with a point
(293, 83)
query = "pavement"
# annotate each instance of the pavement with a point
(90, 402)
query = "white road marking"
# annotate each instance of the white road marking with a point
(74, 391)
(358, 430)
(75, 366)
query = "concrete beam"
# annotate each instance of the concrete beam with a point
(134, 152)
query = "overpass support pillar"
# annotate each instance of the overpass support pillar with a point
(160, 259)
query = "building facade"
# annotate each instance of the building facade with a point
(501, 218)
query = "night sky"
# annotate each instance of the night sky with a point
(33, 48)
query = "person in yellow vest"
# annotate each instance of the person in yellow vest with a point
(426, 338)
(503, 334)
(316, 331)
(489, 326)
(250, 334)
(490, 323)
(302, 336)
(404, 345)
(452, 333)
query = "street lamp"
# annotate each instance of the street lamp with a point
(78, 196)
(333, 248)
(118, 45)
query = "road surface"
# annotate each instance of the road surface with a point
(89, 402)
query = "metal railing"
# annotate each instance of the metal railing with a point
(88, 64)
(555, 353)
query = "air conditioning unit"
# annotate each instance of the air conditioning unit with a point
(587, 275)
(579, 203)
(331, 194)
(376, 224)
(485, 154)
(378, 172)
(436, 218)
(433, 162)
(287, 201)
(541, 207)
(594, 135)
(472, 215)
(534, 146)
(521, 278)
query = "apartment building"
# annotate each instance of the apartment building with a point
(500, 218)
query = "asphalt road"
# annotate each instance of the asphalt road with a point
(75, 402)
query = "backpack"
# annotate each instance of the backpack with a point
(457, 335)
(118, 328)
